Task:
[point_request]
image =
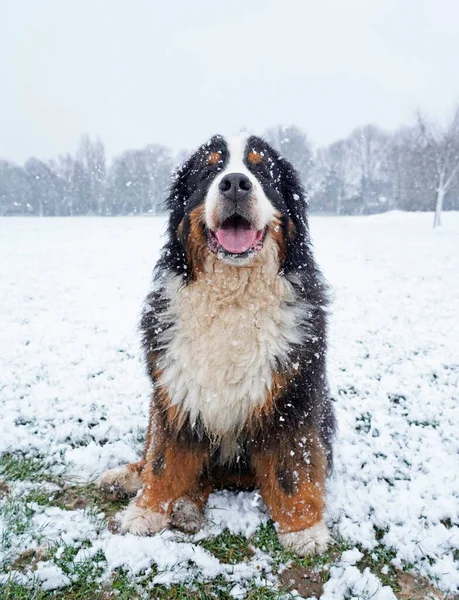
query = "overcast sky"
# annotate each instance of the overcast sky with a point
(175, 72)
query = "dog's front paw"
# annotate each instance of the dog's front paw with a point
(311, 541)
(141, 521)
(122, 480)
(186, 516)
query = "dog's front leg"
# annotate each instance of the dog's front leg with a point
(291, 476)
(173, 491)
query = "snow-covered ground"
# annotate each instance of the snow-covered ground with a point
(73, 388)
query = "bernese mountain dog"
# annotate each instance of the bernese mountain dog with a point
(234, 333)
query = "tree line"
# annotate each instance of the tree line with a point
(84, 183)
(415, 168)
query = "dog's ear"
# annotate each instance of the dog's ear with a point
(287, 183)
(185, 179)
(178, 189)
(183, 188)
(179, 192)
(294, 194)
(296, 226)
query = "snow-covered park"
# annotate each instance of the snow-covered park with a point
(74, 395)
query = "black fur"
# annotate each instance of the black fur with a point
(305, 405)
(158, 464)
(286, 481)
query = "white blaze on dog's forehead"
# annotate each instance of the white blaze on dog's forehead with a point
(236, 150)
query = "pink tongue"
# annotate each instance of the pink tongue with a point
(236, 239)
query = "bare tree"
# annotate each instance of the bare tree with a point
(91, 156)
(294, 144)
(334, 174)
(369, 149)
(411, 171)
(442, 144)
(159, 164)
(64, 167)
(14, 190)
(45, 187)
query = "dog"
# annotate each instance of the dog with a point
(234, 334)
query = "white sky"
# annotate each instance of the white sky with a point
(177, 71)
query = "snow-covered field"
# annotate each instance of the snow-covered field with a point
(74, 394)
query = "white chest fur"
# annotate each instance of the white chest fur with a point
(228, 329)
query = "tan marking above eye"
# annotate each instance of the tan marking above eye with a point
(255, 158)
(214, 158)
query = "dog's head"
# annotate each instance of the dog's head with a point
(228, 199)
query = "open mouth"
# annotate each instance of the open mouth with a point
(236, 236)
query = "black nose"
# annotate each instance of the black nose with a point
(235, 186)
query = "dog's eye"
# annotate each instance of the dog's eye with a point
(260, 164)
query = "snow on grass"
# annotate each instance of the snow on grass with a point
(74, 398)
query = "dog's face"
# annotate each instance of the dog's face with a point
(237, 209)
(231, 195)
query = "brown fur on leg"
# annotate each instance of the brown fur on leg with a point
(170, 474)
(291, 477)
(171, 470)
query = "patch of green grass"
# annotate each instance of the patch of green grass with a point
(266, 539)
(120, 587)
(39, 495)
(16, 517)
(379, 562)
(212, 590)
(21, 468)
(228, 548)
(380, 532)
(14, 591)
(84, 575)
(76, 497)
